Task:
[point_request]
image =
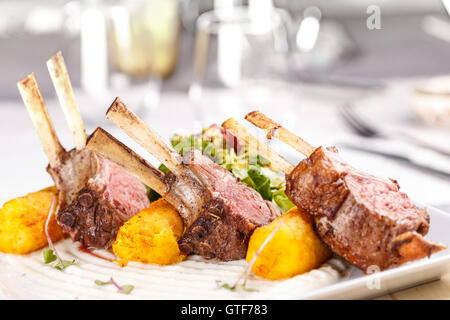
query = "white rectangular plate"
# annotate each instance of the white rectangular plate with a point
(196, 278)
(408, 275)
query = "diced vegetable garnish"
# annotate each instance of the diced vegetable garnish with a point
(251, 169)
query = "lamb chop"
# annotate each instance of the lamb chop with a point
(95, 196)
(362, 218)
(219, 213)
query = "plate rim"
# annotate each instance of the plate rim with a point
(342, 287)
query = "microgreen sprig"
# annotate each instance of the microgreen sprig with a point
(51, 255)
(246, 273)
(125, 289)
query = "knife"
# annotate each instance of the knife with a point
(418, 160)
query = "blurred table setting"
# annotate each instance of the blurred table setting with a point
(379, 92)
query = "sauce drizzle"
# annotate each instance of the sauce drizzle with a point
(86, 250)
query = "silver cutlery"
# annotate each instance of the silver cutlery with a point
(363, 127)
(441, 168)
(341, 82)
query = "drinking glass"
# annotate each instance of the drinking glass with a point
(127, 47)
(241, 60)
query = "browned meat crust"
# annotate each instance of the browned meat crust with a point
(228, 219)
(96, 198)
(216, 234)
(364, 219)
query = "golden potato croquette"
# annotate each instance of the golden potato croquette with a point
(22, 222)
(293, 250)
(151, 236)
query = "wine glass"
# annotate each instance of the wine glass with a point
(127, 48)
(241, 60)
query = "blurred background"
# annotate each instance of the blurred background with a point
(159, 37)
(372, 77)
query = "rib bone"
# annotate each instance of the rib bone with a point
(35, 104)
(104, 144)
(140, 132)
(274, 129)
(260, 147)
(61, 81)
(182, 192)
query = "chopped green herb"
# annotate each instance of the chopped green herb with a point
(262, 161)
(184, 144)
(153, 195)
(234, 287)
(258, 160)
(248, 181)
(281, 200)
(208, 149)
(49, 256)
(225, 286)
(240, 173)
(262, 183)
(125, 289)
(244, 288)
(102, 283)
(176, 138)
(250, 168)
(64, 264)
(163, 168)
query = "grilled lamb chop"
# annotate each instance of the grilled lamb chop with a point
(98, 208)
(228, 219)
(219, 213)
(95, 196)
(183, 192)
(362, 218)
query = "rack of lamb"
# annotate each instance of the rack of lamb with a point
(365, 219)
(219, 212)
(95, 196)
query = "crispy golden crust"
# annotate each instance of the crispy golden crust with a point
(22, 222)
(293, 250)
(151, 236)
